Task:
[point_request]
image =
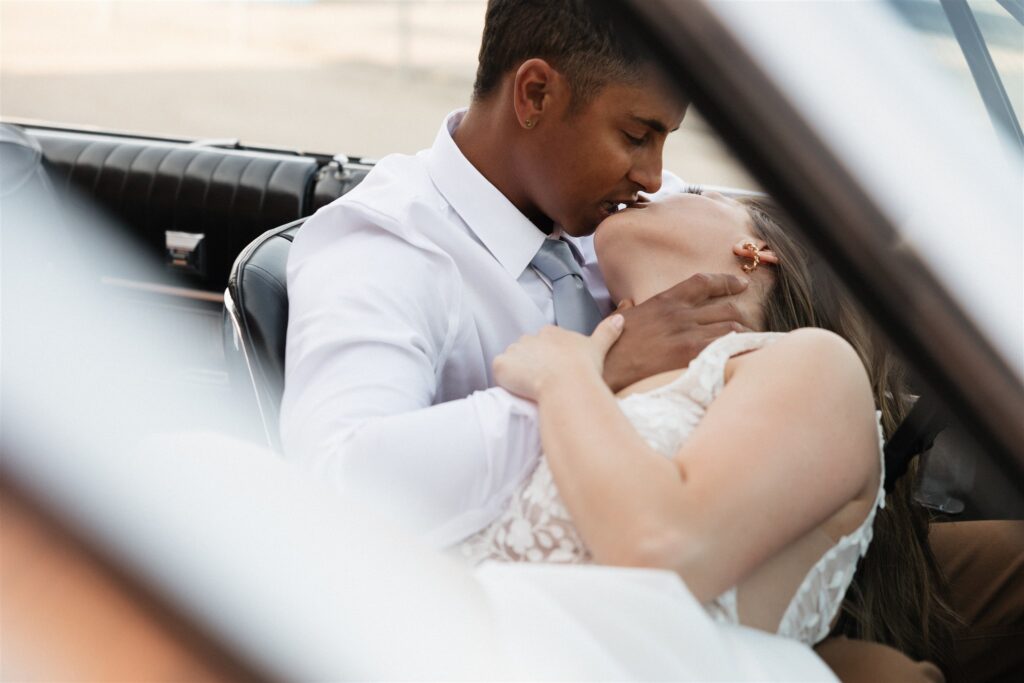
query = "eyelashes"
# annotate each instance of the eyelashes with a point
(635, 141)
(693, 189)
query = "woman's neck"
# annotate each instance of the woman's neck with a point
(649, 283)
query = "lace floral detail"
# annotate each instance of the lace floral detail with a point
(537, 527)
(817, 601)
(808, 617)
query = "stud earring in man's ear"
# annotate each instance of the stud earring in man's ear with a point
(529, 123)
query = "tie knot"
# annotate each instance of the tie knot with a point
(555, 260)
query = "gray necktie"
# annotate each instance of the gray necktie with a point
(575, 308)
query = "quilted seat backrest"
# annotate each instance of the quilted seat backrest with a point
(154, 187)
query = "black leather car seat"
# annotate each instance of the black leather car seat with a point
(256, 302)
(256, 323)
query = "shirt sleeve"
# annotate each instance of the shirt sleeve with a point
(372, 317)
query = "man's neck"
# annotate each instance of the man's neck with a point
(488, 141)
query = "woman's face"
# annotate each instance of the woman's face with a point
(648, 249)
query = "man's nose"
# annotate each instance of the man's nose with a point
(647, 172)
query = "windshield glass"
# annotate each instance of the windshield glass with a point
(1003, 36)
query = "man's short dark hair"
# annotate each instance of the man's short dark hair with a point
(579, 38)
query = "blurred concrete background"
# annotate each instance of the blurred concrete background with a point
(363, 77)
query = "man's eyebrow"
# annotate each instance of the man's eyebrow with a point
(654, 124)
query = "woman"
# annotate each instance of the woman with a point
(756, 473)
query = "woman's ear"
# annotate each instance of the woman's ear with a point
(764, 252)
(768, 256)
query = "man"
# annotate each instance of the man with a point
(403, 291)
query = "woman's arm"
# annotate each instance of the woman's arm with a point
(789, 441)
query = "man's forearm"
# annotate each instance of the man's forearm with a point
(446, 469)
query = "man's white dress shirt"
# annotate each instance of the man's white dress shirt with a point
(401, 293)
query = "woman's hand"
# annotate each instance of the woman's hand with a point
(535, 361)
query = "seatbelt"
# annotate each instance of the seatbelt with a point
(916, 434)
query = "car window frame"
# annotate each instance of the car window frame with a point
(983, 70)
(837, 215)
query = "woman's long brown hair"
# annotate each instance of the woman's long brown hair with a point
(898, 593)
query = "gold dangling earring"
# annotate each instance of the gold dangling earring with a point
(755, 257)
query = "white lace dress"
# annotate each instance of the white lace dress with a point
(536, 527)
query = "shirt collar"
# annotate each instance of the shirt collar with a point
(509, 235)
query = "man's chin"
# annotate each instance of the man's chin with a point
(583, 227)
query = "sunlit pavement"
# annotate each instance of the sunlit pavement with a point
(362, 78)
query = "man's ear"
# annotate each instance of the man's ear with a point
(535, 86)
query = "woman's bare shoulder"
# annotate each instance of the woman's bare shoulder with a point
(808, 354)
(812, 381)
(815, 339)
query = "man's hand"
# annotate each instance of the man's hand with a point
(668, 330)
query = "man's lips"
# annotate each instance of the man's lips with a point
(613, 206)
(641, 202)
